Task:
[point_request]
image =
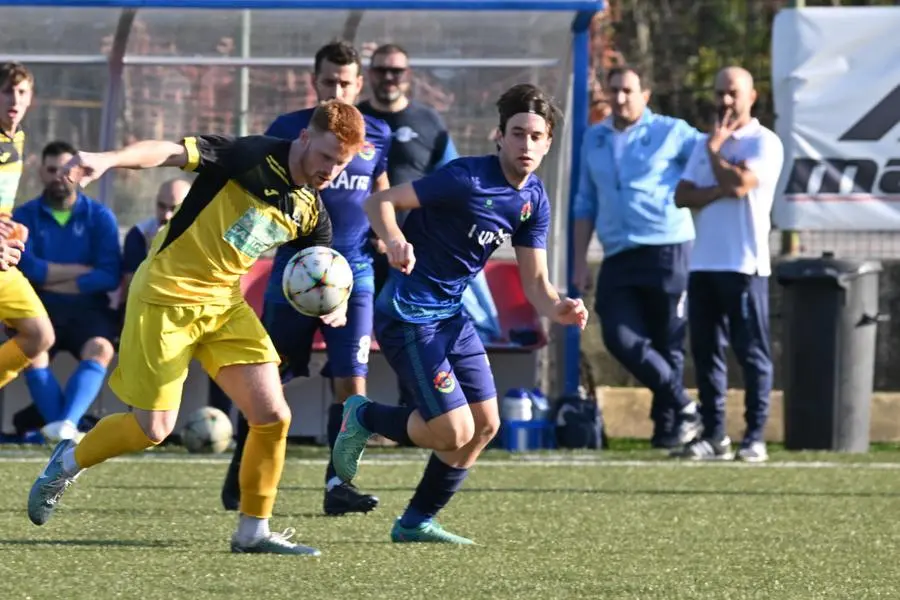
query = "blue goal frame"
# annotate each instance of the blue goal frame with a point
(583, 10)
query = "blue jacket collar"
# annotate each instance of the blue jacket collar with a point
(79, 207)
(646, 117)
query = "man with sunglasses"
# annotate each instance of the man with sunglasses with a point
(420, 143)
(137, 242)
(73, 260)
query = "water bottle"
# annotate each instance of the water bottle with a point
(516, 405)
(540, 406)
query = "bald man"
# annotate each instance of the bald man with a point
(730, 183)
(137, 243)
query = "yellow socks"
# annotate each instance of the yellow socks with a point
(261, 468)
(113, 436)
(12, 361)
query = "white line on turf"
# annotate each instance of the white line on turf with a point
(523, 461)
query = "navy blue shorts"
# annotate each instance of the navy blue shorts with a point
(443, 365)
(347, 347)
(74, 326)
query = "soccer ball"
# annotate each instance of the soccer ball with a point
(207, 431)
(317, 281)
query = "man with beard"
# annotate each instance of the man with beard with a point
(137, 243)
(72, 259)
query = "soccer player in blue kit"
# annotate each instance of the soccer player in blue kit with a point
(337, 75)
(460, 215)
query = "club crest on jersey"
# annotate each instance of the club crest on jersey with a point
(306, 210)
(444, 382)
(526, 212)
(367, 152)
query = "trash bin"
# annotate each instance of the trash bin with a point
(830, 312)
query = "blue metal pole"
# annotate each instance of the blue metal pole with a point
(581, 65)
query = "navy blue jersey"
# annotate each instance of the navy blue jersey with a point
(468, 210)
(343, 199)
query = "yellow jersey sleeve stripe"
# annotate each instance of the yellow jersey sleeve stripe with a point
(193, 154)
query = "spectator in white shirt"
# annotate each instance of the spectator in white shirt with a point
(730, 183)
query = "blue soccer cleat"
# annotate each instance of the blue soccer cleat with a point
(427, 532)
(50, 485)
(351, 441)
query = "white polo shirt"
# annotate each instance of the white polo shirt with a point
(733, 233)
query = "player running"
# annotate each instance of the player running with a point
(20, 307)
(466, 210)
(337, 74)
(251, 194)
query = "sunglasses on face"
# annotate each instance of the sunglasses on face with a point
(384, 71)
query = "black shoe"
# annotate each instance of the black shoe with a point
(667, 441)
(231, 489)
(345, 498)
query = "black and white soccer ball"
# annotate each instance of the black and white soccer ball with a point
(207, 430)
(317, 281)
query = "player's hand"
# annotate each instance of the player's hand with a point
(10, 230)
(338, 318)
(570, 311)
(401, 256)
(10, 253)
(86, 167)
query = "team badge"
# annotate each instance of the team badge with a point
(526, 212)
(368, 151)
(444, 382)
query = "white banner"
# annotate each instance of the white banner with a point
(836, 82)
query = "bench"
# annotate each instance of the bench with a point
(309, 398)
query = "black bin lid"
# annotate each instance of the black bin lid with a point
(840, 271)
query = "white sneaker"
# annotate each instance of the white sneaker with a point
(753, 452)
(61, 430)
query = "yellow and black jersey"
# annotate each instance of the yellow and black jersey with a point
(242, 204)
(12, 150)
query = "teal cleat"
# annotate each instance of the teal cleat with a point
(274, 543)
(50, 485)
(427, 532)
(351, 441)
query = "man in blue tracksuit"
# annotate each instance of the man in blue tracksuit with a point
(73, 259)
(631, 163)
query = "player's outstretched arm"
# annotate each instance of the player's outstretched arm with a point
(381, 209)
(86, 167)
(542, 294)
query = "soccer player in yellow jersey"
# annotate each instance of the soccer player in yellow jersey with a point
(251, 194)
(20, 307)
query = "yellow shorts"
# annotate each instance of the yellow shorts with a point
(18, 300)
(158, 343)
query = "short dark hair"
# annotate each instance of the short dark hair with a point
(57, 148)
(386, 49)
(13, 73)
(621, 70)
(527, 98)
(338, 53)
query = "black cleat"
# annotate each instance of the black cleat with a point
(231, 489)
(345, 498)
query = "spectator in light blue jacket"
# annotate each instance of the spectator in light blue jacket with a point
(73, 260)
(631, 164)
